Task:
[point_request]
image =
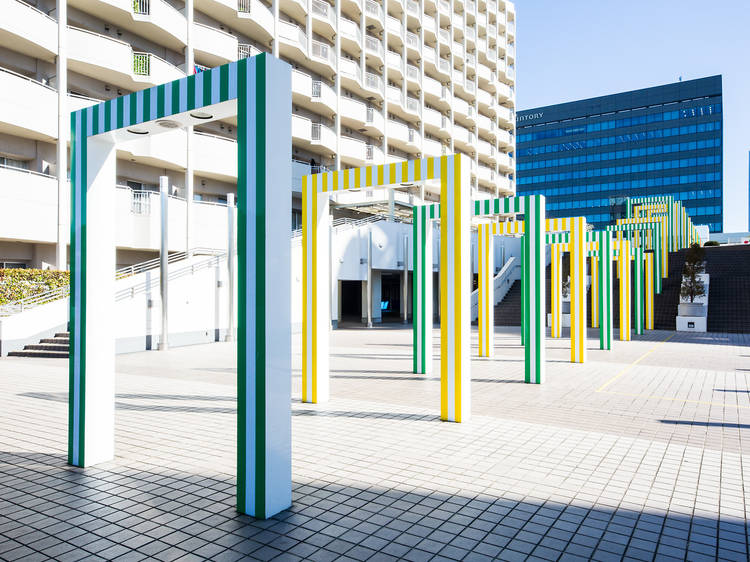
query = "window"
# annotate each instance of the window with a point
(6, 162)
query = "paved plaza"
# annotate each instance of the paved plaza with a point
(643, 452)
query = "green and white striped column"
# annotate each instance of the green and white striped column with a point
(485, 286)
(534, 266)
(649, 299)
(261, 87)
(605, 244)
(422, 315)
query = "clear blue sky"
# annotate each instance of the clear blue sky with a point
(575, 49)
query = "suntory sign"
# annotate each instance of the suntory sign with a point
(529, 117)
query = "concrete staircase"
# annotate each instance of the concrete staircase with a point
(48, 348)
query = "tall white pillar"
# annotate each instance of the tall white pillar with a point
(189, 169)
(231, 238)
(164, 262)
(63, 133)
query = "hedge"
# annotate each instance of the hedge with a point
(16, 284)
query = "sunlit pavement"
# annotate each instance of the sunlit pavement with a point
(639, 452)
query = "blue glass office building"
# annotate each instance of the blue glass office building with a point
(587, 156)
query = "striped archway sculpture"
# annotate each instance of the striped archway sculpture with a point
(257, 91)
(533, 209)
(453, 172)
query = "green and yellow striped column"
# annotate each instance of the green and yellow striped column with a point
(594, 291)
(556, 297)
(623, 271)
(578, 253)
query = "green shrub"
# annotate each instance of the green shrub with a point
(16, 284)
(712, 243)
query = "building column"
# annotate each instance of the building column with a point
(578, 290)
(316, 312)
(556, 281)
(623, 270)
(63, 133)
(605, 289)
(638, 290)
(649, 297)
(189, 165)
(485, 293)
(533, 315)
(455, 291)
(594, 292)
(422, 297)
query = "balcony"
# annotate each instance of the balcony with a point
(429, 26)
(312, 94)
(412, 43)
(506, 163)
(351, 35)
(413, 76)
(323, 137)
(245, 50)
(114, 61)
(250, 17)
(301, 129)
(353, 112)
(395, 95)
(510, 29)
(213, 46)
(504, 185)
(437, 123)
(27, 30)
(322, 57)
(395, 29)
(292, 40)
(155, 20)
(374, 14)
(486, 125)
(505, 139)
(463, 138)
(432, 147)
(444, 36)
(353, 151)
(373, 83)
(296, 9)
(463, 110)
(506, 118)
(350, 73)
(374, 50)
(486, 150)
(486, 175)
(486, 101)
(27, 107)
(395, 64)
(323, 18)
(505, 93)
(458, 52)
(412, 9)
(413, 107)
(403, 137)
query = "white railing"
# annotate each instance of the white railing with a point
(323, 51)
(245, 50)
(141, 7)
(373, 8)
(39, 299)
(141, 64)
(140, 202)
(244, 6)
(502, 282)
(374, 81)
(315, 131)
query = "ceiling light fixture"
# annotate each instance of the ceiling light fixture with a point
(138, 131)
(201, 115)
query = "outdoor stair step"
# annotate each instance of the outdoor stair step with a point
(57, 340)
(47, 347)
(39, 354)
(62, 335)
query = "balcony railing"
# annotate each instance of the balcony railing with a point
(374, 9)
(369, 152)
(323, 51)
(315, 132)
(141, 7)
(245, 50)
(373, 81)
(374, 44)
(412, 72)
(140, 202)
(370, 115)
(244, 6)
(444, 35)
(317, 88)
(412, 104)
(412, 39)
(142, 64)
(412, 7)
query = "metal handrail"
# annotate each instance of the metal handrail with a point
(45, 297)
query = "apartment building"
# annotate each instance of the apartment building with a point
(373, 82)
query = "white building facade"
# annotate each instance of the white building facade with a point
(373, 82)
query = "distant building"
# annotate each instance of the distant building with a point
(587, 155)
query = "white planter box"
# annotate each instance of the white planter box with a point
(691, 323)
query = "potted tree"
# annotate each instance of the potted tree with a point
(693, 285)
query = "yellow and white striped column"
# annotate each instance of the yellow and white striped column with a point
(556, 280)
(486, 300)
(578, 253)
(623, 272)
(455, 290)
